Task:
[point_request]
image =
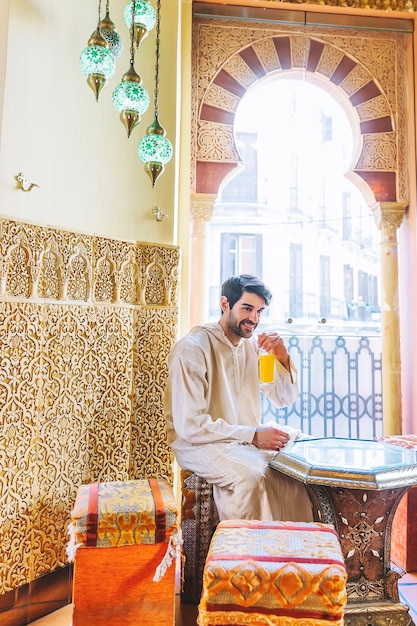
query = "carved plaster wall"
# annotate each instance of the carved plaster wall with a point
(86, 324)
(364, 70)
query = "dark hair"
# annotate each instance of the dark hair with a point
(234, 286)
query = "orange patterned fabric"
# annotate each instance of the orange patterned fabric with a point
(404, 441)
(273, 573)
(131, 512)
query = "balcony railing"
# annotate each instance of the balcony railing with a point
(340, 380)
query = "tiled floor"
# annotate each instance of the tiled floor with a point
(186, 614)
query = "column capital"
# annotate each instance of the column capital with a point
(389, 215)
(202, 205)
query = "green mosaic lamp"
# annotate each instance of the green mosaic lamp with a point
(97, 61)
(130, 98)
(145, 18)
(110, 34)
(155, 150)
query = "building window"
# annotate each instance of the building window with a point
(325, 300)
(241, 253)
(347, 215)
(327, 127)
(244, 186)
(296, 280)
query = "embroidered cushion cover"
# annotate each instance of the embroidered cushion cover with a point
(132, 512)
(404, 441)
(273, 573)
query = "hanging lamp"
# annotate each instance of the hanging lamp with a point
(96, 61)
(130, 98)
(144, 19)
(155, 150)
(110, 34)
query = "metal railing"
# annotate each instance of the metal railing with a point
(340, 380)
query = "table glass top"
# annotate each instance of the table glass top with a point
(353, 463)
(351, 454)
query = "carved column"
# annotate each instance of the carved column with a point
(389, 217)
(202, 205)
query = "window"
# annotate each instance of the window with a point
(325, 302)
(241, 254)
(346, 214)
(244, 186)
(348, 288)
(296, 280)
(327, 127)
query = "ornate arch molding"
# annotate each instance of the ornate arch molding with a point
(357, 67)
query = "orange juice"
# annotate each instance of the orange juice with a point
(266, 368)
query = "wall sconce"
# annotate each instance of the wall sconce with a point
(159, 215)
(23, 184)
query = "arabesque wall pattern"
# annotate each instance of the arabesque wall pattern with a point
(364, 70)
(85, 329)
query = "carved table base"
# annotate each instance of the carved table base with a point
(363, 520)
(378, 614)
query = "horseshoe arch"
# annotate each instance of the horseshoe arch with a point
(376, 170)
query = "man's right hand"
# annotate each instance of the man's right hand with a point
(270, 438)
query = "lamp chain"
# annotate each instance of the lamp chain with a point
(132, 34)
(158, 29)
(99, 15)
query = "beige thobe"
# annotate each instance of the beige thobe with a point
(212, 410)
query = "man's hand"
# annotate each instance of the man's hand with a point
(272, 342)
(270, 438)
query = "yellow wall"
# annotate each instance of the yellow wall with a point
(76, 149)
(91, 181)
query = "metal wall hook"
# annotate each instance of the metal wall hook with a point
(159, 215)
(23, 184)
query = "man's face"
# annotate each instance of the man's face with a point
(243, 318)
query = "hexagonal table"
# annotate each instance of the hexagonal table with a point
(356, 485)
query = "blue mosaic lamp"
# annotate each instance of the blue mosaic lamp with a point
(110, 34)
(145, 18)
(130, 98)
(155, 150)
(97, 61)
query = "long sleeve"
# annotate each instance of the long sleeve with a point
(213, 391)
(188, 396)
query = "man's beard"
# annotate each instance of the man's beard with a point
(241, 330)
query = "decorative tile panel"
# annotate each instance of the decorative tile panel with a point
(86, 324)
(362, 67)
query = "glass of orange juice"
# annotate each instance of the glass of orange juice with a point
(266, 367)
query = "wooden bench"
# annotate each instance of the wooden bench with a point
(199, 519)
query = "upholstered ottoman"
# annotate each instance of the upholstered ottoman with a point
(124, 537)
(273, 573)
